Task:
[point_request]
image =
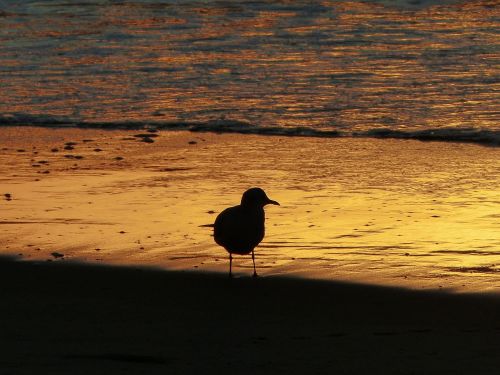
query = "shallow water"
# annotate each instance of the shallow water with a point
(369, 68)
(408, 213)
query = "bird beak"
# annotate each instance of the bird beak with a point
(272, 202)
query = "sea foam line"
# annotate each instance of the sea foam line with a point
(470, 135)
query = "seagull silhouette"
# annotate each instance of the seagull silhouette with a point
(240, 229)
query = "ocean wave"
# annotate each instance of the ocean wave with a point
(472, 135)
(469, 135)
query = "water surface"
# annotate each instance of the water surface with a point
(297, 67)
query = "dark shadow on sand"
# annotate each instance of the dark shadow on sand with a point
(76, 318)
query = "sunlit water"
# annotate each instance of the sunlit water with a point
(370, 68)
(407, 213)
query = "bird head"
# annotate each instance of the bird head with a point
(256, 197)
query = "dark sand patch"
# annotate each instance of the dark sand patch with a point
(148, 135)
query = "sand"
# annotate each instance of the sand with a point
(388, 212)
(70, 305)
(65, 318)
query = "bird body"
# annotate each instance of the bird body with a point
(240, 229)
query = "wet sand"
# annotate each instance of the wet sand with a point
(62, 318)
(390, 212)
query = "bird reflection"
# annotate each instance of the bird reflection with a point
(240, 229)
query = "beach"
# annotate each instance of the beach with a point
(108, 264)
(61, 318)
(126, 128)
(423, 215)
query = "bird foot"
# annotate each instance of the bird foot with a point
(255, 274)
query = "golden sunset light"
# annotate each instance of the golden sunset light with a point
(270, 187)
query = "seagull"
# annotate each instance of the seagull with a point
(240, 229)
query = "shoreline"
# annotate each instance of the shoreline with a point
(482, 137)
(81, 318)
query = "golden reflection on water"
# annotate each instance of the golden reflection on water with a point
(342, 65)
(422, 215)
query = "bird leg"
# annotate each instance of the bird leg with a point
(230, 264)
(253, 259)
